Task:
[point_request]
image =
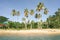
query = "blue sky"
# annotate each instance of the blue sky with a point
(6, 7)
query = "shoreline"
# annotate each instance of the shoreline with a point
(31, 32)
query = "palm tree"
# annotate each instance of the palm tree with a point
(13, 12)
(17, 14)
(31, 13)
(40, 7)
(26, 15)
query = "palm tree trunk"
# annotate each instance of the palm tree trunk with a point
(38, 23)
(47, 24)
(25, 26)
(31, 26)
(31, 23)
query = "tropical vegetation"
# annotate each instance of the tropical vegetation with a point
(51, 22)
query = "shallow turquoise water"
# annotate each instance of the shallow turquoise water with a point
(44, 37)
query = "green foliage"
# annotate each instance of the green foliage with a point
(3, 19)
(54, 21)
(35, 25)
(51, 22)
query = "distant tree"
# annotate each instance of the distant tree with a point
(54, 21)
(3, 19)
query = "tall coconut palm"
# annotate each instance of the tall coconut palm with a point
(40, 7)
(17, 14)
(26, 15)
(31, 13)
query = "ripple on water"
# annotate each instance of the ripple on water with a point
(22, 37)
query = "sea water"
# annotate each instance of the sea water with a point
(38, 37)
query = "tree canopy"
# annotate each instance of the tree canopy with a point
(3, 19)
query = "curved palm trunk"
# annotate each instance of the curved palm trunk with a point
(16, 21)
(25, 25)
(38, 20)
(47, 25)
(38, 23)
(31, 26)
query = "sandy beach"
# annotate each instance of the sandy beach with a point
(30, 32)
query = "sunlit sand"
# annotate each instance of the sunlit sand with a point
(30, 32)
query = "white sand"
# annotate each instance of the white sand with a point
(30, 32)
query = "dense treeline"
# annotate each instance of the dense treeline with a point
(51, 22)
(54, 21)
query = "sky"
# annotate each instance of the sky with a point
(6, 7)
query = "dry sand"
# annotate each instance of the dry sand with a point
(30, 32)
